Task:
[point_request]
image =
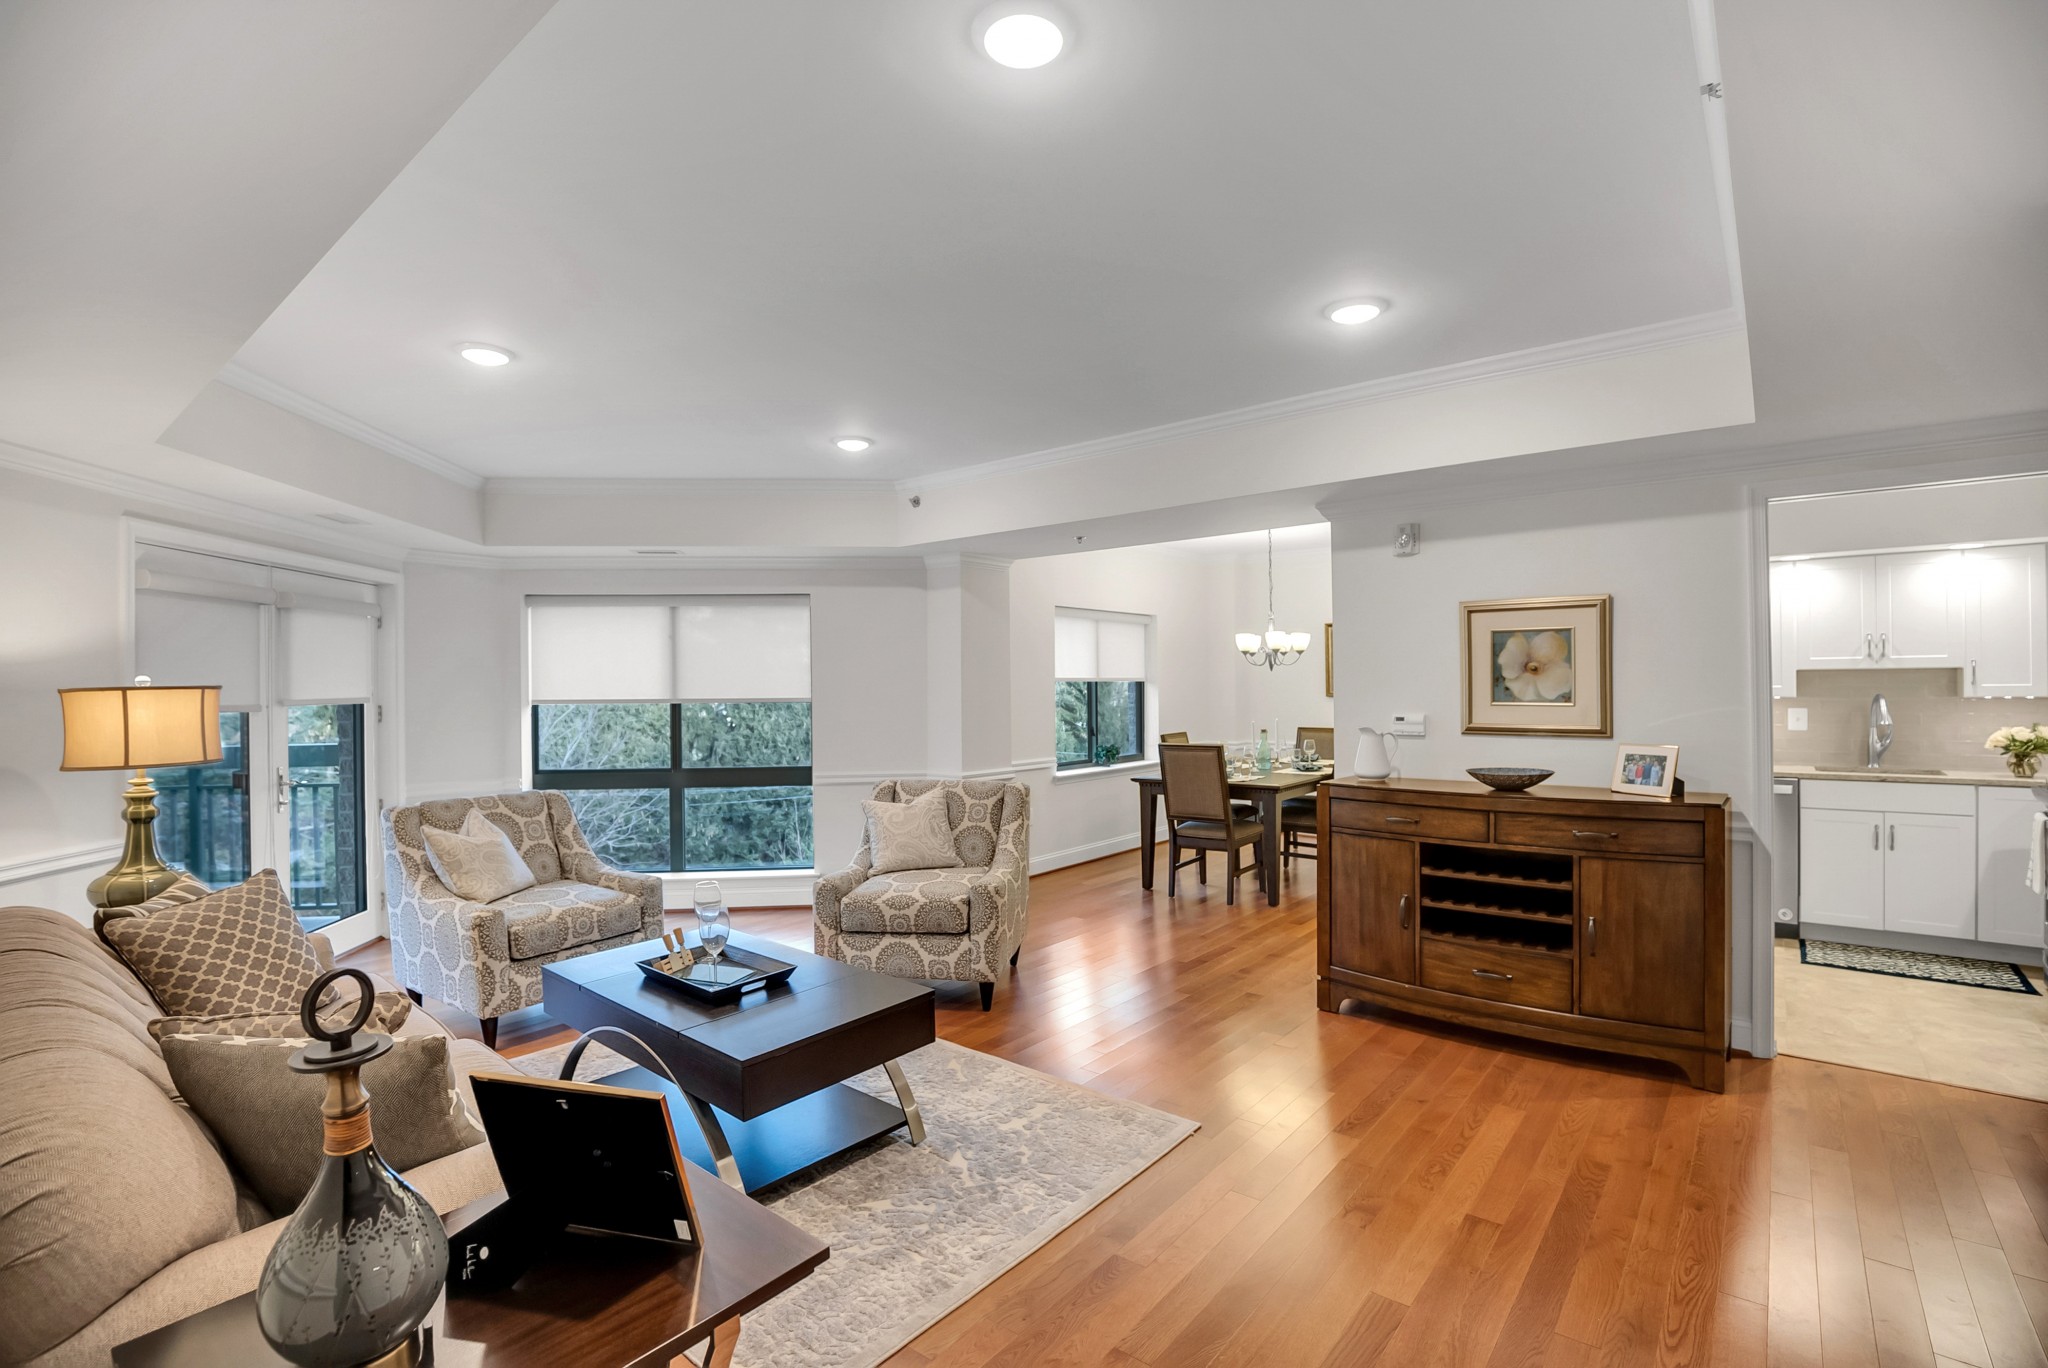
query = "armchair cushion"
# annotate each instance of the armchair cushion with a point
(925, 902)
(558, 916)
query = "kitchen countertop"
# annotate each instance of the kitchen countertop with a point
(1975, 778)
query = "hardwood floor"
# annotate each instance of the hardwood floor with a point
(1373, 1189)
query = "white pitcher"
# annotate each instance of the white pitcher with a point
(1374, 760)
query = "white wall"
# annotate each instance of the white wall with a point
(466, 719)
(1928, 515)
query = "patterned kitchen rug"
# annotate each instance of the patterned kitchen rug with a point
(1011, 1158)
(1914, 964)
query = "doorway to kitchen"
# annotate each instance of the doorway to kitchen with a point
(1909, 671)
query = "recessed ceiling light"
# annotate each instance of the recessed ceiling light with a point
(854, 443)
(476, 353)
(1023, 40)
(1352, 312)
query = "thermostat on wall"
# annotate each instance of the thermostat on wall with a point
(1409, 724)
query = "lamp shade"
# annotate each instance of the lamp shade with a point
(141, 727)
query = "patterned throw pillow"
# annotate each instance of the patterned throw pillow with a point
(912, 835)
(240, 951)
(479, 863)
(388, 1012)
(269, 1117)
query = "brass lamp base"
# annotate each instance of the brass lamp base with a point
(139, 874)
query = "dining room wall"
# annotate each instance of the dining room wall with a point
(1287, 696)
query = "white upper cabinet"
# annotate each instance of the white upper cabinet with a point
(1781, 658)
(1983, 611)
(2006, 638)
(1833, 621)
(1918, 598)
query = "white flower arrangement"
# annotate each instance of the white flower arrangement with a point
(2019, 743)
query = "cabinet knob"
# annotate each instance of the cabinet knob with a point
(1404, 911)
(1592, 935)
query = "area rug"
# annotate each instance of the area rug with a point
(1012, 1157)
(1873, 959)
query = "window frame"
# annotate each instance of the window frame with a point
(1094, 687)
(677, 779)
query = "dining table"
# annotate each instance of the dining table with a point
(1268, 791)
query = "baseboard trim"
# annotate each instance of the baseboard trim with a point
(1082, 854)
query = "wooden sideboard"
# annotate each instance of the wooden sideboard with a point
(1572, 915)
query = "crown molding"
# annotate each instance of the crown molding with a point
(237, 376)
(556, 486)
(627, 560)
(2019, 436)
(144, 497)
(1550, 356)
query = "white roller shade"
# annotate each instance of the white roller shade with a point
(326, 657)
(1087, 645)
(183, 639)
(602, 652)
(743, 648)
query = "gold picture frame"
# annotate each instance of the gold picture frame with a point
(1538, 666)
(1329, 660)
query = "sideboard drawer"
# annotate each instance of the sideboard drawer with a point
(1624, 835)
(1398, 819)
(1526, 978)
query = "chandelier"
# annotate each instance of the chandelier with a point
(1276, 647)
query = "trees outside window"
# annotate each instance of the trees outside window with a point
(1097, 722)
(683, 786)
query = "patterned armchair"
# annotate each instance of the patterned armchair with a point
(952, 924)
(486, 957)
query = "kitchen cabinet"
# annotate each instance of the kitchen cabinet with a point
(2005, 591)
(1783, 685)
(1892, 857)
(1833, 617)
(1918, 597)
(2008, 912)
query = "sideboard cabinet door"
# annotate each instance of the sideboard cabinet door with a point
(1642, 953)
(1372, 906)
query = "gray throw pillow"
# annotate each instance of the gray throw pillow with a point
(913, 835)
(240, 950)
(268, 1118)
(388, 1012)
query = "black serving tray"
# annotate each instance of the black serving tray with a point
(756, 971)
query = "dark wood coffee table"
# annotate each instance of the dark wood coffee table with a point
(590, 1301)
(764, 1076)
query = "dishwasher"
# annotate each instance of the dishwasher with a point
(1785, 857)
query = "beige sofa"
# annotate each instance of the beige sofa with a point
(118, 1214)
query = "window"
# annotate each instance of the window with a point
(295, 656)
(680, 729)
(1098, 688)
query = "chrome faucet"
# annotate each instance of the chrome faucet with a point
(1880, 729)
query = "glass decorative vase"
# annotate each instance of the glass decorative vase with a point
(1264, 756)
(2023, 766)
(364, 1258)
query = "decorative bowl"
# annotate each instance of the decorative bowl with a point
(1510, 780)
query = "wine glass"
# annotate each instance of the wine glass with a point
(1309, 759)
(714, 927)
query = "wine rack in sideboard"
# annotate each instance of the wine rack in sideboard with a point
(1564, 914)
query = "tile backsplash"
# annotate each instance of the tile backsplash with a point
(1933, 725)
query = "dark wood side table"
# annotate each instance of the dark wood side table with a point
(1269, 791)
(764, 1077)
(594, 1302)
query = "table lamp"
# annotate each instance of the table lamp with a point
(140, 728)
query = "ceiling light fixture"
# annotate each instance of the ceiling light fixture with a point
(477, 354)
(1276, 647)
(1352, 312)
(854, 444)
(1023, 41)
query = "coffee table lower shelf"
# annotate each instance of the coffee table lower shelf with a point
(775, 1144)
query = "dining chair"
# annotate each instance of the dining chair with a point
(1244, 807)
(1298, 815)
(1173, 738)
(1201, 817)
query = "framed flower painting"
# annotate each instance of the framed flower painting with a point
(1538, 666)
